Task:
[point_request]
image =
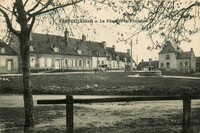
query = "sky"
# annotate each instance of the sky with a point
(99, 28)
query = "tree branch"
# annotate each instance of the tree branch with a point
(5, 8)
(39, 12)
(36, 5)
(25, 3)
(31, 25)
(9, 25)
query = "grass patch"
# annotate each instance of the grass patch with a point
(101, 83)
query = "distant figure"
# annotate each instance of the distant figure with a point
(95, 85)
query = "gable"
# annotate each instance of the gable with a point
(6, 50)
(170, 48)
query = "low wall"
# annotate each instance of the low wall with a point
(148, 73)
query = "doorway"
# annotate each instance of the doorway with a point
(57, 63)
(9, 65)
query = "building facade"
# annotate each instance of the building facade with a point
(8, 59)
(52, 52)
(172, 58)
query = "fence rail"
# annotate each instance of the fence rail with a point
(70, 101)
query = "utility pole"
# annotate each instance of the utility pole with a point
(131, 59)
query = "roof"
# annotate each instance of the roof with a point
(8, 49)
(97, 49)
(170, 48)
(146, 64)
(43, 43)
(111, 53)
(123, 55)
(184, 55)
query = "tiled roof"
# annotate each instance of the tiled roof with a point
(43, 43)
(111, 53)
(184, 55)
(8, 49)
(170, 48)
(146, 64)
(123, 55)
(97, 49)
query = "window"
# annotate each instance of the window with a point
(167, 57)
(70, 63)
(186, 64)
(181, 64)
(3, 50)
(79, 51)
(98, 62)
(56, 49)
(102, 62)
(125, 59)
(31, 48)
(161, 65)
(9, 65)
(66, 62)
(32, 61)
(80, 63)
(88, 63)
(167, 65)
(113, 64)
(117, 58)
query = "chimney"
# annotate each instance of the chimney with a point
(129, 52)
(83, 38)
(104, 44)
(191, 49)
(142, 60)
(114, 47)
(66, 36)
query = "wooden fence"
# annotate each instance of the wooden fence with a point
(70, 101)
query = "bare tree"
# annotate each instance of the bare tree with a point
(163, 20)
(25, 13)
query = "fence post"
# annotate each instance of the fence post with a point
(186, 113)
(69, 114)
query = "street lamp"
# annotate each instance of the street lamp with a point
(131, 59)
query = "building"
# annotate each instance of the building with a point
(119, 60)
(52, 52)
(148, 65)
(172, 58)
(197, 64)
(99, 53)
(8, 59)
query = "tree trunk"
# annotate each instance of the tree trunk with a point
(27, 90)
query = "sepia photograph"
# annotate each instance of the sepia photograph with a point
(99, 66)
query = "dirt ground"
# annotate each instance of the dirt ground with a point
(139, 117)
